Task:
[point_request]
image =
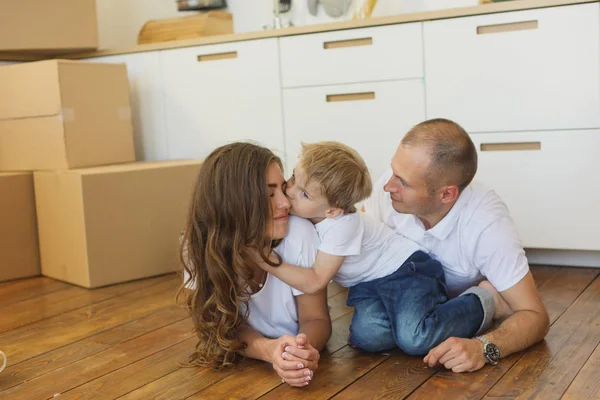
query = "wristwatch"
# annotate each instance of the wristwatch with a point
(491, 352)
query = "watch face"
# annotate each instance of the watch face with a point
(492, 352)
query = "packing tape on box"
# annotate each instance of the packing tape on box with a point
(125, 114)
(67, 114)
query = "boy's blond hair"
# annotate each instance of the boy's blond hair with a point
(340, 171)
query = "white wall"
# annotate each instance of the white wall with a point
(119, 21)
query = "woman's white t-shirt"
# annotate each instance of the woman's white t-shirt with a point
(273, 309)
(372, 249)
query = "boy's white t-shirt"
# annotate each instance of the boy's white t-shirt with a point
(273, 310)
(372, 250)
(477, 239)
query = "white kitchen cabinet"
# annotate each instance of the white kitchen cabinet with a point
(371, 117)
(549, 183)
(217, 94)
(527, 70)
(146, 90)
(352, 56)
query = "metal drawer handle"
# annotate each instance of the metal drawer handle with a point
(350, 97)
(510, 146)
(217, 56)
(509, 27)
(348, 43)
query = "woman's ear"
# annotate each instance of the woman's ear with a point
(333, 212)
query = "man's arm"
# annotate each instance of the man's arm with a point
(529, 322)
(500, 254)
(526, 326)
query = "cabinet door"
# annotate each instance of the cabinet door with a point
(143, 70)
(372, 118)
(549, 183)
(517, 71)
(354, 55)
(222, 93)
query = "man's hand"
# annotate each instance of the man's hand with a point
(293, 370)
(459, 355)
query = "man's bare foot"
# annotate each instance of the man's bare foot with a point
(502, 308)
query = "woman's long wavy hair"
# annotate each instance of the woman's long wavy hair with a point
(229, 214)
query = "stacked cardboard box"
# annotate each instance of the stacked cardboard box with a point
(48, 27)
(102, 218)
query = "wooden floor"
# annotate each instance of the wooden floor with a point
(126, 341)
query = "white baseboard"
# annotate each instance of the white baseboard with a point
(571, 258)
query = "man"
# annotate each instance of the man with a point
(428, 197)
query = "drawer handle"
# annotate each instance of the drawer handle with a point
(350, 97)
(348, 43)
(509, 27)
(511, 146)
(217, 56)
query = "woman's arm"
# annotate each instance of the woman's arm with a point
(293, 371)
(314, 319)
(308, 280)
(315, 330)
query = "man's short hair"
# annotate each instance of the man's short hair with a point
(339, 170)
(453, 154)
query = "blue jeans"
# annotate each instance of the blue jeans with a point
(410, 309)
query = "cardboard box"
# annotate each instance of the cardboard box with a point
(105, 225)
(19, 254)
(48, 27)
(59, 114)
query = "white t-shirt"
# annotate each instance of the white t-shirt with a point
(476, 239)
(273, 310)
(372, 250)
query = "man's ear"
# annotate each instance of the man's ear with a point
(333, 212)
(449, 194)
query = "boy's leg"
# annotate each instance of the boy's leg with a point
(421, 315)
(370, 329)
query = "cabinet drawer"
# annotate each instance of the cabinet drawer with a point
(548, 181)
(527, 70)
(351, 56)
(372, 118)
(222, 93)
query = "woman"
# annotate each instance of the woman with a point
(238, 209)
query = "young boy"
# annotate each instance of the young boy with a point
(394, 285)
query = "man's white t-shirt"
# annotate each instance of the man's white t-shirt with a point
(372, 250)
(273, 310)
(476, 240)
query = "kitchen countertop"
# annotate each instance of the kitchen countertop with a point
(516, 5)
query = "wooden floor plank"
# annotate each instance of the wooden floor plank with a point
(586, 385)
(68, 299)
(246, 384)
(135, 375)
(182, 383)
(547, 370)
(562, 289)
(337, 305)
(37, 366)
(261, 378)
(558, 291)
(80, 372)
(335, 373)
(395, 378)
(334, 288)
(37, 338)
(542, 273)
(25, 289)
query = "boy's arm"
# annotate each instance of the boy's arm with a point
(308, 280)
